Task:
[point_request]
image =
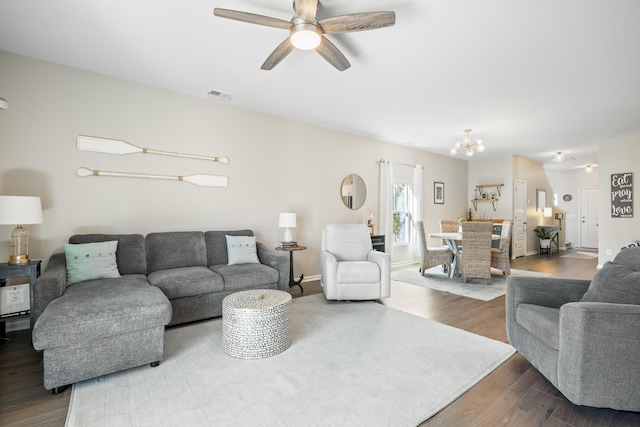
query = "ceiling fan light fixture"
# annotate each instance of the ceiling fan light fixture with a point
(305, 36)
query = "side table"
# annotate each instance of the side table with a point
(10, 271)
(291, 250)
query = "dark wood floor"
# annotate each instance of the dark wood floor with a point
(515, 394)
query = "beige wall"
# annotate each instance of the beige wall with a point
(277, 165)
(494, 170)
(615, 157)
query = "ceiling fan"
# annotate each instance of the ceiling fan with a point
(307, 31)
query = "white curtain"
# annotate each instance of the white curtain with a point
(415, 207)
(386, 204)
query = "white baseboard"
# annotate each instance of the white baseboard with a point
(17, 324)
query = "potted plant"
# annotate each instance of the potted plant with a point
(544, 236)
(460, 221)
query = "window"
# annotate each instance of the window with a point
(401, 215)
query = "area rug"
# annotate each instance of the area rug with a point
(436, 279)
(580, 255)
(349, 364)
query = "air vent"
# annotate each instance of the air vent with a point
(219, 96)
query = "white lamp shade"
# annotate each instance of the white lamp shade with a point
(547, 212)
(287, 220)
(20, 210)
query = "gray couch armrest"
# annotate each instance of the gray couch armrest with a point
(278, 261)
(598, 360)
(51, 284)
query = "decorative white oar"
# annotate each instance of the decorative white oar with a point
(115, 146)
(198, 179)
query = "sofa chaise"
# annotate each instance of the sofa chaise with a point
(89, 328)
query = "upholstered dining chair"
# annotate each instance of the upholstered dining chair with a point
(432, 256)
(351, 269)
(475, 258)
(500, 258)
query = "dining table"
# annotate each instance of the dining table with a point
(454, 242)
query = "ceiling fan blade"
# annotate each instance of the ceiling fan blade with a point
(306, 9)
(357, 22)
(252, 18)
(332, 54)
(278, 54)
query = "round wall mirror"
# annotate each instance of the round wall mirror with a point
(353, 191)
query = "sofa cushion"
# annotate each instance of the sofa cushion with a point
(100, 308)
(614, 283)
(186, 281)
(246, 276)
(175, 250)
(242, 250)
(543, 322)
(91, 261)
(358, 272)
(216, 242)
(131, 254)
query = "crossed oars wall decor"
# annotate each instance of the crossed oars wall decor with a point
(115, 146)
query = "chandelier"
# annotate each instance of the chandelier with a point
(467, 145)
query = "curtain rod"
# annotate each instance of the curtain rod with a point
(398, 163)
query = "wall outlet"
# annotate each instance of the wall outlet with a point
(608, 252)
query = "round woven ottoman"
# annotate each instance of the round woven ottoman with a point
(256, 323)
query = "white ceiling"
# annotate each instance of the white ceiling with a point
(530, 77)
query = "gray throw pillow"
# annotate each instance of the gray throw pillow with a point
(616, 283)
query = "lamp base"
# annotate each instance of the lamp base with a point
(19, 259)
(288, 236)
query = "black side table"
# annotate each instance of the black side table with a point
(291, 250)
(10, 271)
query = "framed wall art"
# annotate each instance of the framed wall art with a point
(438, 193)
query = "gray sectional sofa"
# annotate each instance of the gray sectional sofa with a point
(96, 327)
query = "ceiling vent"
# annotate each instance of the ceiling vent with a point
(219, 96)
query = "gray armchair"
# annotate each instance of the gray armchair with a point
(583, 336)
(351, 269)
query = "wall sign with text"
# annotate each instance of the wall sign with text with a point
(622, 195)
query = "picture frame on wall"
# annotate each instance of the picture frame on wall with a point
(438, 193)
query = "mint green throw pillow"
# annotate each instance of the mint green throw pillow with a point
(91, 261)
(242, 250)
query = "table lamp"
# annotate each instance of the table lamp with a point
(20, 210)
(287, 221)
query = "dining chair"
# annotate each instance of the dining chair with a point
(449, 226)
(432, 256)
(500, 258)
(474, 261)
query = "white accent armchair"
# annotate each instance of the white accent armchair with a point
(351, 269)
